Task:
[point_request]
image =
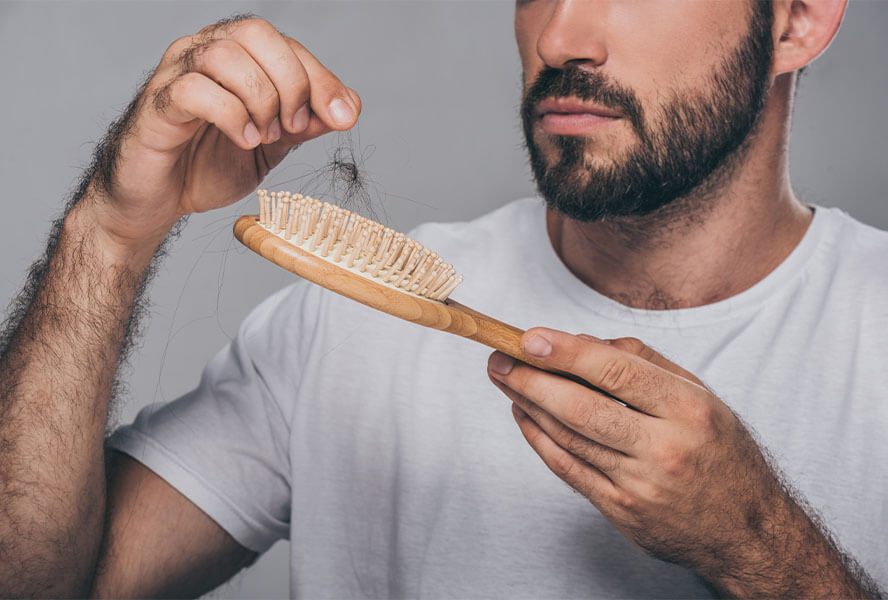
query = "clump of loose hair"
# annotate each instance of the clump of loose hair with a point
(348, 180)
(343, 179)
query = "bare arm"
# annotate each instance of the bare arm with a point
(223, 107)
(197, 554)
(55, 382)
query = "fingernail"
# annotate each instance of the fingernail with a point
(537, 345)
(274, 130)
(300, 119)
(501, 363)
(518, 412)
(341, 112)
(251, 134)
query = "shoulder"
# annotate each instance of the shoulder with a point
(857, 248)
(853, 256)
(496, 231)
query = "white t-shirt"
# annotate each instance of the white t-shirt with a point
(383, 452)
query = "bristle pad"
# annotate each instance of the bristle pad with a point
(356, 243)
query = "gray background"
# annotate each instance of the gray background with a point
(439, 137)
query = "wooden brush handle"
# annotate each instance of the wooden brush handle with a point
(448, 316)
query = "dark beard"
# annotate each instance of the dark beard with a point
(696, 134)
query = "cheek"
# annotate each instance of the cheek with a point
(672, 45)
(529, 22)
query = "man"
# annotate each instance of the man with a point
(657, 133)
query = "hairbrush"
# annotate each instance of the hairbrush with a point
(363, 260)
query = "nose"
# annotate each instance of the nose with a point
(574, 35)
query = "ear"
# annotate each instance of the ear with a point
(803, 29)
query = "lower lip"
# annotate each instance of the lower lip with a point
(575, 123)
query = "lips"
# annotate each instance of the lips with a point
(565, 116)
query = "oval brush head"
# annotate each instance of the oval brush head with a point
(367, 262)
(372, 264)
(356, 243)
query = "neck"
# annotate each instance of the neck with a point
(711, 245)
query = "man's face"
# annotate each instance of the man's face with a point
(630, 104)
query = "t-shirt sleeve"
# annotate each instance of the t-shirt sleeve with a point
(225, 445)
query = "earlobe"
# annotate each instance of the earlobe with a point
(803, 30)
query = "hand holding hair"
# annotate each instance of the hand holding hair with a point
(223, 107)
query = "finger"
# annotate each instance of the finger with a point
(193, 96)
(334, 103)
(275, 153)
(645, 352)
(356, 100)
(578, 474)
(271, 50)
(606, 460)
(230, 65)
(638, 382)
(592, 415)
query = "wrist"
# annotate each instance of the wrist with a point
(117, 242)
(785, 555)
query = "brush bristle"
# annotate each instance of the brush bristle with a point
(351, 241)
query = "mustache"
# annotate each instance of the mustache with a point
(585, 85)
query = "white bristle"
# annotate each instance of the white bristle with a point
(451, 285)
(261, 195)
(356, 243)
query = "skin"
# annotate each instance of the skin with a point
(225, 106)
(665, 260)
(677, 473)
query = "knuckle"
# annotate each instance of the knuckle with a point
(215, 55)
(232, 112)
(629, 344)
(184, 85)
(533, 436)
(604, 459)
(647, 490)
(218, 51)
(328, 85)
(570, 354)
(617, 374)
(672, 461)
(175, 50)
(257, 27)
(644, 499)
(626, 501)
(564, 465)
(573, 443)
(297, 80)
(619, 432)
(607, 461)
(193, 49)
(582, 415)
(529, 408)
(700, 414)
(264, 94)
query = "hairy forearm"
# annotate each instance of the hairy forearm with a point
(56, 376)
(788, 554)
